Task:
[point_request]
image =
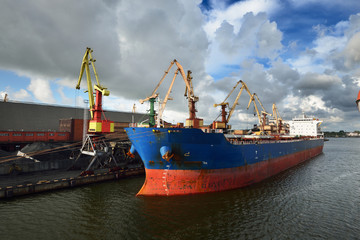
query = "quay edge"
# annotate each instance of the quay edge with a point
(55, 184)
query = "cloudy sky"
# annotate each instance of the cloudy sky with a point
(302, 55)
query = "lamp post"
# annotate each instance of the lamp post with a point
(85, 123)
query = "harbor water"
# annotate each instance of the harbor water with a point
(319, 199)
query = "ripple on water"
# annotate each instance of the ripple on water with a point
(319, 199)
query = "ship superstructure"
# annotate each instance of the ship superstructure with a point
(305, 126)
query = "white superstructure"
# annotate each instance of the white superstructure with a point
(305, 126)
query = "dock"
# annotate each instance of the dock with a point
(37, 150)
(25, 184)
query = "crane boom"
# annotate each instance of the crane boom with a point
(263, 109)
(262, 122)
(163, 77)
(234, 105)
(92, 61)
(162, 108)
(226, 103)
(154, 94)
(85, 67)
(252, 99)
(276, 113)
(180, 68)
(188, 85)
(244, 86)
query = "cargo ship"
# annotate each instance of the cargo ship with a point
(181, 161)
(195, 159)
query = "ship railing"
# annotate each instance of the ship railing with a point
(246, 142)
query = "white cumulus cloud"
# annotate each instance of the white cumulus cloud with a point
(234, 14)
(40, 88)
(22, 94)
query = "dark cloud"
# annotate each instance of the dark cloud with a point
(313, 82)
(48, 38)
(284, 74)
(342, 96)
(133, 42)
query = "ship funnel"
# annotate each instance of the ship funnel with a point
(358, 101)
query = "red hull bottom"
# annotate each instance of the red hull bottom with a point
(181, 182)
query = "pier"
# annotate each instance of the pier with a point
(25, 184)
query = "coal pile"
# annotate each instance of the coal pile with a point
(42, 151)
(12, 158)
(4, 154)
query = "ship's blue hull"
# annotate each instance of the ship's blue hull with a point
(186, 154)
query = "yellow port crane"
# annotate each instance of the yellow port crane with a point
(189, 93)
(96, 125)
(223, 104)
(95, 144)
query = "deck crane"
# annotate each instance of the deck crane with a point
(153, 97)
(263, 112)
(95, 144)
(223, 105)
(192, 121)
(252, 99)
(262, 121)
(224, 119)
(277, 117)
(189, 93)
(262, 106)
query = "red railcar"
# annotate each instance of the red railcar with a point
(22, 136)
